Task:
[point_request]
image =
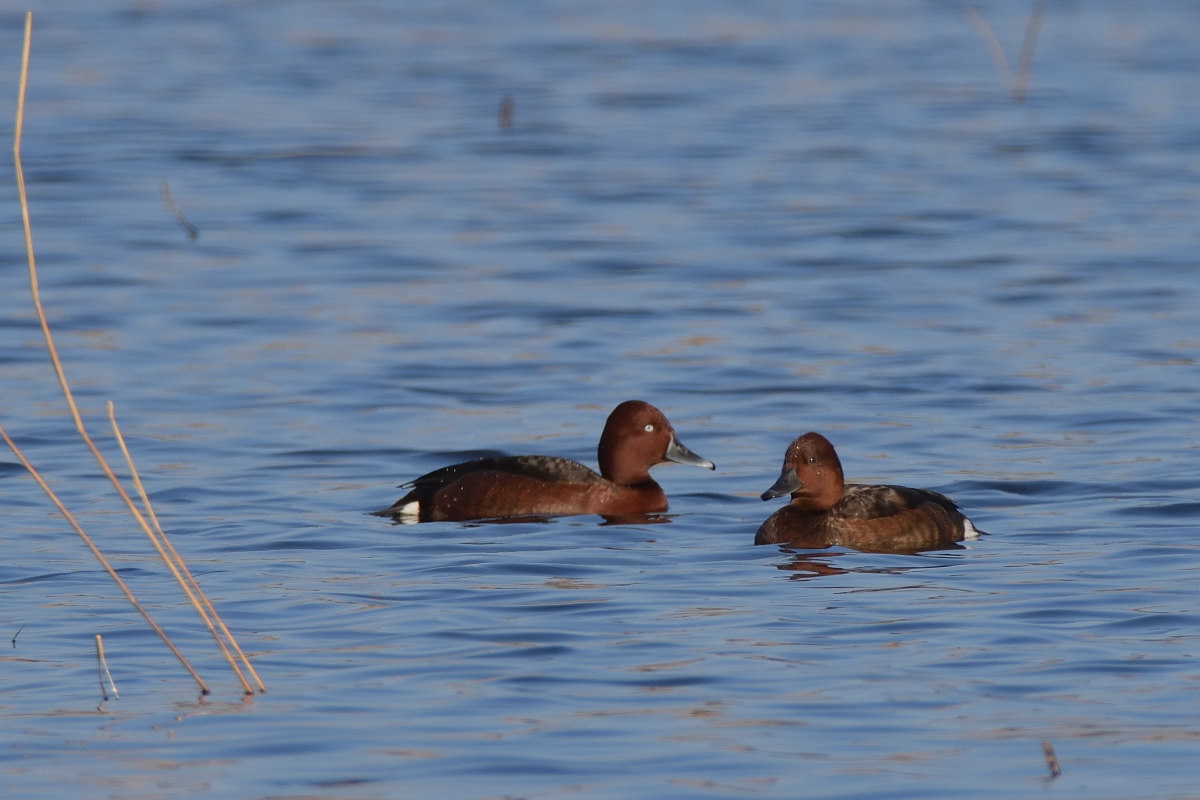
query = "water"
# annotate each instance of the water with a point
(765, 218)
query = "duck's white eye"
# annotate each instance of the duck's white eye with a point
(649, 427)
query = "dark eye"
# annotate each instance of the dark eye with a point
(649, 427)
(812, 459)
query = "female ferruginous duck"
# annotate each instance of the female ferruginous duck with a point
(826, 511)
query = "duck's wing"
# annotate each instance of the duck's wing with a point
(899, 519)
(862, 501)
(417, 501)
(544, 468)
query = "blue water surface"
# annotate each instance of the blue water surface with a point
(763, 217)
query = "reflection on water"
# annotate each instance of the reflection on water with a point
(767, 219)
(811, 565)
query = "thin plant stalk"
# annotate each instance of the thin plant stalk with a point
(1017, 80)
(68, 395)
(182, 574)
(35, 291)
(995, 49)
(102, 668)
(1025, 61)
(112, 573)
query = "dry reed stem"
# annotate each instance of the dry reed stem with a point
(66, 389)
(995, 49)
(1025, 61)
(102, 668)
(182, 574)
(112, 573)
(54, 360)
(1051, 760)
(1018, 81)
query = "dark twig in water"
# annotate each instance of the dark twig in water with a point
(15, 635)
(506, 113)
(1018, 81)
(102, 668)
(1051, 760)
(177, 212)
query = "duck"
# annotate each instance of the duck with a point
(636, 437)
(826, 511)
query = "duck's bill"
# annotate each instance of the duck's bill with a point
(681, 455)
(787, 483)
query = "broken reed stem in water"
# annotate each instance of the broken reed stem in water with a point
(1051, 759)
(74, 409)
(995, 49)
(1025, 61)
(177, 212)
(102, 668)
(1018, 81)
(112, 573)
(183, 575)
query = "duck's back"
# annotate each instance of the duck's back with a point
(543, 468)
(511, 486)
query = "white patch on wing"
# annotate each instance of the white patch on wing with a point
(969, 531)
(409, 513)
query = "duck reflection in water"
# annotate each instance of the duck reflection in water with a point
(825, 511)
